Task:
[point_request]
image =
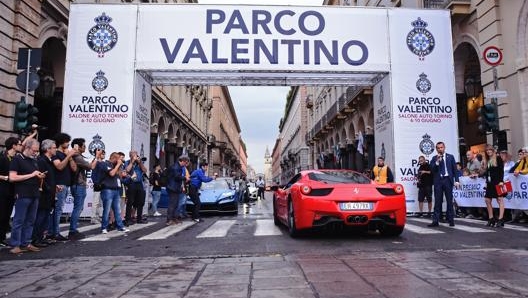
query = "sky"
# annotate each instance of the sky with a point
(259, 109)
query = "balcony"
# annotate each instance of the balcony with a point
(457, 7)
(309, 102)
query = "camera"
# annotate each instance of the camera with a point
(143, 159)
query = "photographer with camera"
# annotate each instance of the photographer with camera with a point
(135, 191)
(78, 187)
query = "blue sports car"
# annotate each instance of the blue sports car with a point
(216, 196)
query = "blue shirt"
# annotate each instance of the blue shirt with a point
(198, 176)
(135, 169)
(103, 168)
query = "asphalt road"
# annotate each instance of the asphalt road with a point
(252, 233)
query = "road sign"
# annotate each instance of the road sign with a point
(496, 94)
(33, 83)
(492, 55)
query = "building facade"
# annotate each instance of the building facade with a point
(294, 152)
(224, 134)
(180, 115)
(268, 161)
(276, 162)
(477, 25)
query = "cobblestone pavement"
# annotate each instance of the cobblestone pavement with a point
(457, 273)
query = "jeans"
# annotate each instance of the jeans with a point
(156, 195)
(41, 224)
(79, 194)
(111, 199)
(182, 199)
(25, 214)
(57, 213)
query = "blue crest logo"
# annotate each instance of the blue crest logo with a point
(419, 40)
(100, 82)
(96, 143)
(426, 145)
(423, 84)
(102, 37)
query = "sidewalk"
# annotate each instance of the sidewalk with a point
(463, 273)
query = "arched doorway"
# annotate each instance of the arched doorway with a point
(469, 98)
(48, 96)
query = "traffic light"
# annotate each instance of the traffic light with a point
(31, 116)
(488, 118)
(25, 116)
(21, 114)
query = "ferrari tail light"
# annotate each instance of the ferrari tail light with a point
(398, 188)
(391, 190)
(305, 189)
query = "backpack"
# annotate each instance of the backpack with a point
(164, 177)
(151, 178)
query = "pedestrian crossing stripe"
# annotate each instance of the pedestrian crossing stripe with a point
(458, 227)
(168, 231)
(421, 230)
(218, 229)
(115, 233)
(507, 227)
(266, 227)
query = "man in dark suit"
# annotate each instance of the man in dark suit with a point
(443, 167)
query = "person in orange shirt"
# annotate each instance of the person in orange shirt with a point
(381, 173)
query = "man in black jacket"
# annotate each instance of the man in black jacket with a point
(47, 192)
(177, 174)
(7, 196)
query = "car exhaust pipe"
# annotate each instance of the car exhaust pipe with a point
(357, 219)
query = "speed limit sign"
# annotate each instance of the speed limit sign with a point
(492, 56)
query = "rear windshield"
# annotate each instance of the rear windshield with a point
(339, 177)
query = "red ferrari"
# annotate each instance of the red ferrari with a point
(319, 198)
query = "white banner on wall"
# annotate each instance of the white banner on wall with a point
(424, 97)
(98, 100)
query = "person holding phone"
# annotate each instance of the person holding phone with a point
(47, 188)
(135, 192)
(64, 169)
(26, 175)
(79, 185)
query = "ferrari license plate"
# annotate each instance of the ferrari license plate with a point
(355, 206)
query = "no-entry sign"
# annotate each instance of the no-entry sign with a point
(492, 56)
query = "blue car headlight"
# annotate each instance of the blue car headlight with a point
(226, 197)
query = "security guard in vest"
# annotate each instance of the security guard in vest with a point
(381, 173)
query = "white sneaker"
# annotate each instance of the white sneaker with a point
(156, 214)
(124, 230)
(104, 231)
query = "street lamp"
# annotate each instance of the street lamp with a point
(472, 87)
(46, 87)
